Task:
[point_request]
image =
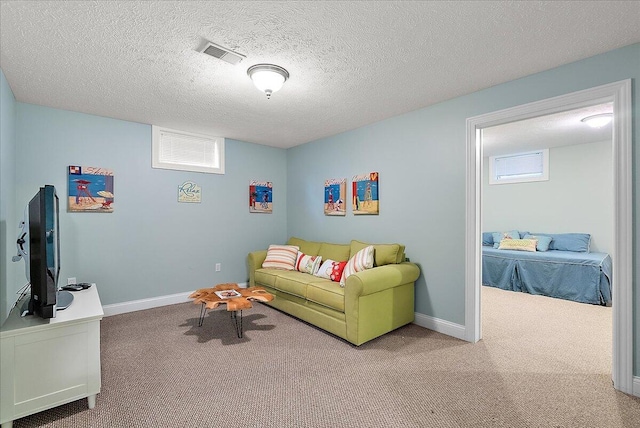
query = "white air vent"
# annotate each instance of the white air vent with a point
(224, 54)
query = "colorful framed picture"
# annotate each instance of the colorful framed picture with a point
(189, 192)
(261, 197)
(364, 194)
(335, 196)
(90, 189)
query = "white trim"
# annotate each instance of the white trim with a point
(139, 305)
(152, 302)
(440, 325)
(636, 386)
(620, 94)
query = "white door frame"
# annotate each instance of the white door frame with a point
(620, 94)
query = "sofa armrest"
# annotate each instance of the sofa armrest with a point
(255, 259)
(380, 278)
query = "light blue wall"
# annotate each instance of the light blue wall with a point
(421, 159)
(8, 215)
(151, 245)
(576, 198)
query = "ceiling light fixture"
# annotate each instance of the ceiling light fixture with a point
(268, 78)
(598, 120)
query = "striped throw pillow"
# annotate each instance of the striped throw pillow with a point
(362, 260)
(281, 257)
(518, 244)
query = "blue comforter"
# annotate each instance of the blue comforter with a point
(581, 277)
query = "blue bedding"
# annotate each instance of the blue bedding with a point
(581, 277)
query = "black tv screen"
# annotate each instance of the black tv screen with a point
(44, 252)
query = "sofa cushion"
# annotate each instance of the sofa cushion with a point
(383, 254)
(308, 247)
(292, 282)
(281, 257)
(362, 260)
(308, 264)
(331, 269)
(337, 252)
(326, 292)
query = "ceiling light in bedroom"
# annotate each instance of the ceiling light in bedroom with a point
(598, 120)
(268, 78)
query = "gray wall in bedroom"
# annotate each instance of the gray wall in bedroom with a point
(151, 245)
(421, 158)
(577, 198)
(10, 280)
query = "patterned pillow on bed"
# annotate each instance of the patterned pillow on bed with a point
(499, 236)
(518, 244)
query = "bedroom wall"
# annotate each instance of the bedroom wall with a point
(151, 245)
(8, 215)
(421, 157)
(577, 198)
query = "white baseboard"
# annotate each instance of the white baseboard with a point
(441, 326)
(636, 386)
(152, 302)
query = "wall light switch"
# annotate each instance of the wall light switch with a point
(218, 267)
(71, 280)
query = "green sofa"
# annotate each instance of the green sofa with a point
(373, 302)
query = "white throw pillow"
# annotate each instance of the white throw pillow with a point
(362, 260)
(308, 264)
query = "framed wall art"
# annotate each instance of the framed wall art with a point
(90, 189)
(364, 194)
(260, 197)
(335, 196)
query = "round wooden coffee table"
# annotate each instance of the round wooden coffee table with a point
(233, 296)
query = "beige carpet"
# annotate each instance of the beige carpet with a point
(543, 363)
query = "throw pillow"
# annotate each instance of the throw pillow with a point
(518, 244)
(543, 241)
(281, 257)
(499, 236)
(362, 260)
(308, 264)
(331, 269)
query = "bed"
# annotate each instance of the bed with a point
(583, 277)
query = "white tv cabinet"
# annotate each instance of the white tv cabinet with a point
(47, 363)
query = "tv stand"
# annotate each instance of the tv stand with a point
(49, 362)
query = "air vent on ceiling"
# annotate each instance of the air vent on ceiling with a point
(224, 54)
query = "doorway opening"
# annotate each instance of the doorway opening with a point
(619, 94)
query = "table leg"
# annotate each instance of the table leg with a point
(203, 312)
(238, 322)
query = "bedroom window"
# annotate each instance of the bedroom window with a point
(519, 167)
(185, 151)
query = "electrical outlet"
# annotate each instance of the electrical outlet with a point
(71, 281)
(218, 267)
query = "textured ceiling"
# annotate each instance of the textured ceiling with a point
(351, 63)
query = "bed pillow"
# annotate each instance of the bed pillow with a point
(308, 264)
(331, 269)
(543, 241)
(281, 257)
(577, 242)
(361, 260)
(518, 244)
(487, 238)
(499, 236)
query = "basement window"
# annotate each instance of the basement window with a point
(186, 151)
(519, 167)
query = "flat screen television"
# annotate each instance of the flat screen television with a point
(41, 231)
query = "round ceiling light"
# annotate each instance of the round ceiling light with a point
(268, 78)
(598, 120)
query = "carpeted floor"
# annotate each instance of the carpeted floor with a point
(542, 363)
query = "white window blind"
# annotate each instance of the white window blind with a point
(519, 167)
(187, 151)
